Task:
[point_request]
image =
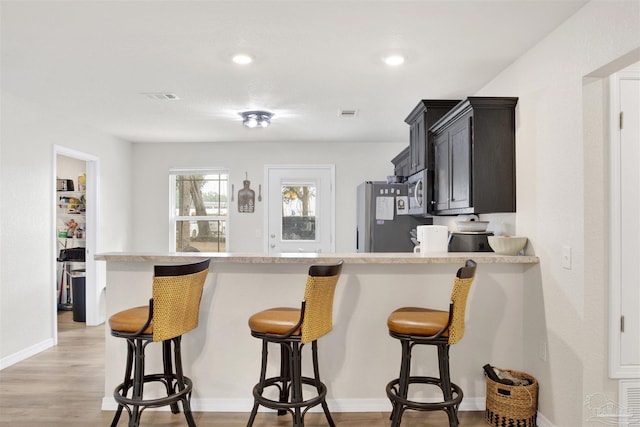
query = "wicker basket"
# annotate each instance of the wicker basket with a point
(512, 405)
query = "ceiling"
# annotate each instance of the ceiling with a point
(97, 61)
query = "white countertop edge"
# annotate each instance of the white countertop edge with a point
(292, 258)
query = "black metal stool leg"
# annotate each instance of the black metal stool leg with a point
(177, 385)
(168, 372)
(445, 381)
(127, 380)
(138, 382)
(285, 374)
(259, 388)
(296, 382)
(398, 389)
(403, 384)
(316, 374)
(180, 380)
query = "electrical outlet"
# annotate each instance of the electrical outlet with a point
(542, 351)
(566, 257)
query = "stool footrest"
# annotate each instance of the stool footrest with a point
(392, 394)
(119, 394)
(274, 404)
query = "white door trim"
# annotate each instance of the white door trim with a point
(94, 314)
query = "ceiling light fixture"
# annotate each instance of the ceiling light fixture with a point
(394, 60)
(256, 119)
(242, 59)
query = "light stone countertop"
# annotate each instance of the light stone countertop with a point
(293, 258)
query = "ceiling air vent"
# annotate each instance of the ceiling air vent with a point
(348, 113)
(162, 96)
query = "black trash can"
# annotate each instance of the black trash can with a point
(79, 292)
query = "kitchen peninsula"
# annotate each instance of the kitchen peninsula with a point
(358, 358)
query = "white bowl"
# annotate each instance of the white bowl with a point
(507, 245)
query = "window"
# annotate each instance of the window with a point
(199, 210)
(298, 212)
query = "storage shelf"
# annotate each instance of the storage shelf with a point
(72, 214)
(71, 193)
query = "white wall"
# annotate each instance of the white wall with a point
(561, 200)
(27, 283)
(354, 163)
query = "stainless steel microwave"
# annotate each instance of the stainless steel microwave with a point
(420, 193)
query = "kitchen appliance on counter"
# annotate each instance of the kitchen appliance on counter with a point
(432, 239)
(420, 193)
(383, 223)
(470, 241)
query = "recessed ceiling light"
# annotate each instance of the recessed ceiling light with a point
(242, 59)
(394, 60)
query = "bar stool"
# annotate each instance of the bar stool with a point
(173, 310)
(292, 328)
(413, 326)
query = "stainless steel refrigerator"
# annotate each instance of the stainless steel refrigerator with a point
(383, 223)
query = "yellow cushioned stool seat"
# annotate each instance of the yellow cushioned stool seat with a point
(131, 320)
(418, 321)
(279, 320)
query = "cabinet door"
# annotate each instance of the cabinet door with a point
(460, 164)
(402, 163)
(403, 167)
(441, 172)
(418, 143)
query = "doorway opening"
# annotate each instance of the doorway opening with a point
(75, 285)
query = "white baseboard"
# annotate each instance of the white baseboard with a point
(337, 405)
(542, 421)
(25, 354)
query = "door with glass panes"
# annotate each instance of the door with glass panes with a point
(300, 208)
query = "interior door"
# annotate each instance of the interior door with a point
(630, 233)
(300, 209)
(624, 248)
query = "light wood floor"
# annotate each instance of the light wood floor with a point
(63, 387)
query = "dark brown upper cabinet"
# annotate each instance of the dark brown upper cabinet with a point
(474, 157)
(402, 163)
(425, 114)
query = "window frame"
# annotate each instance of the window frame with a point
(173, 218)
